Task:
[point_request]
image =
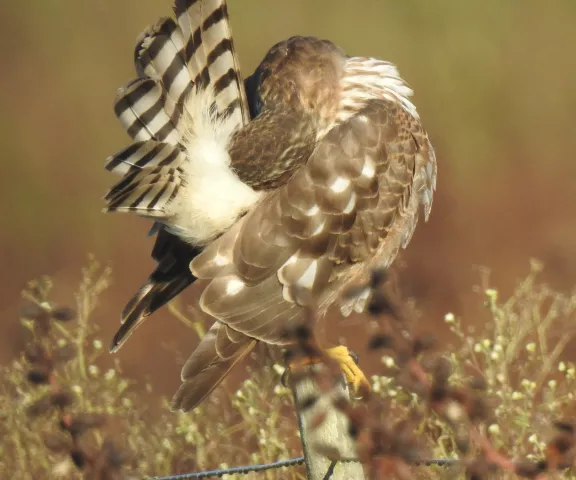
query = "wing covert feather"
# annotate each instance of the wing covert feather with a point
(312, 235)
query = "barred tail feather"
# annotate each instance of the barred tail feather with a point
(210, 56)
(159, 56)
(179, 63)
(168, 169)
(144, 154)
(149, 193)
(153, 177)
(140, 108)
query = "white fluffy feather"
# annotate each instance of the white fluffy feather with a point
(367, 78)
(214, 197)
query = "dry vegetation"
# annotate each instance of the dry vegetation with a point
(499, 398)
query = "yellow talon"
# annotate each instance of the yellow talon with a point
(354, 376)
(342, 356)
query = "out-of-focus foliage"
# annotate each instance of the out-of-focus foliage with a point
(253, 425)
(518, 355)
(518, 358)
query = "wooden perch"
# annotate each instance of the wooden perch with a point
(325, 442)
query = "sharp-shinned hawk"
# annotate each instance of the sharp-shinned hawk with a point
(279, 191)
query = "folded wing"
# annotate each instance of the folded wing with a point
(352, 205)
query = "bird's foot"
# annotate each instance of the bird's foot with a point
(347, 361)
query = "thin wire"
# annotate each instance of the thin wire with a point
(330, 471)
(243, 470)
(441, 462)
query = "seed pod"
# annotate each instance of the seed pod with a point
(378, 277)
(62, 399)
(423, 343)
(65, 353)
(527, 469)
(36, 353)
(442, 370)
(57, 442)
(81, 423)
(477, 409)
(478, 383)
(63, 314)
(78, 457)
(39, 375)
(33, 311)
(565, 426)
(380, 341)
(302, 333)
(40, 407)
(380, 304)
(308, 402)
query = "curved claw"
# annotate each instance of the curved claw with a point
(354, 356)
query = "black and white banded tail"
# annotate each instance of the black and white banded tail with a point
(209, 53)
(176, 60)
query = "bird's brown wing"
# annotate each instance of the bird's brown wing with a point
(353, 204)
(219, 351)
(358, 192)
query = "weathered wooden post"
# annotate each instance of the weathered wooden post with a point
(331, 435)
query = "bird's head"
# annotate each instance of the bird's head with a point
(301, 73)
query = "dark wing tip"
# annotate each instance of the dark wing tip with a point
(118, 340)
(125, 330)
(184, 400)
(137, 309)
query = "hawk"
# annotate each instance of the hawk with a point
(278, 192)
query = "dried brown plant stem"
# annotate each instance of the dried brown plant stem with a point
(324, 429)
(197, 326)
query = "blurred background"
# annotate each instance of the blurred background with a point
(495, 85)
